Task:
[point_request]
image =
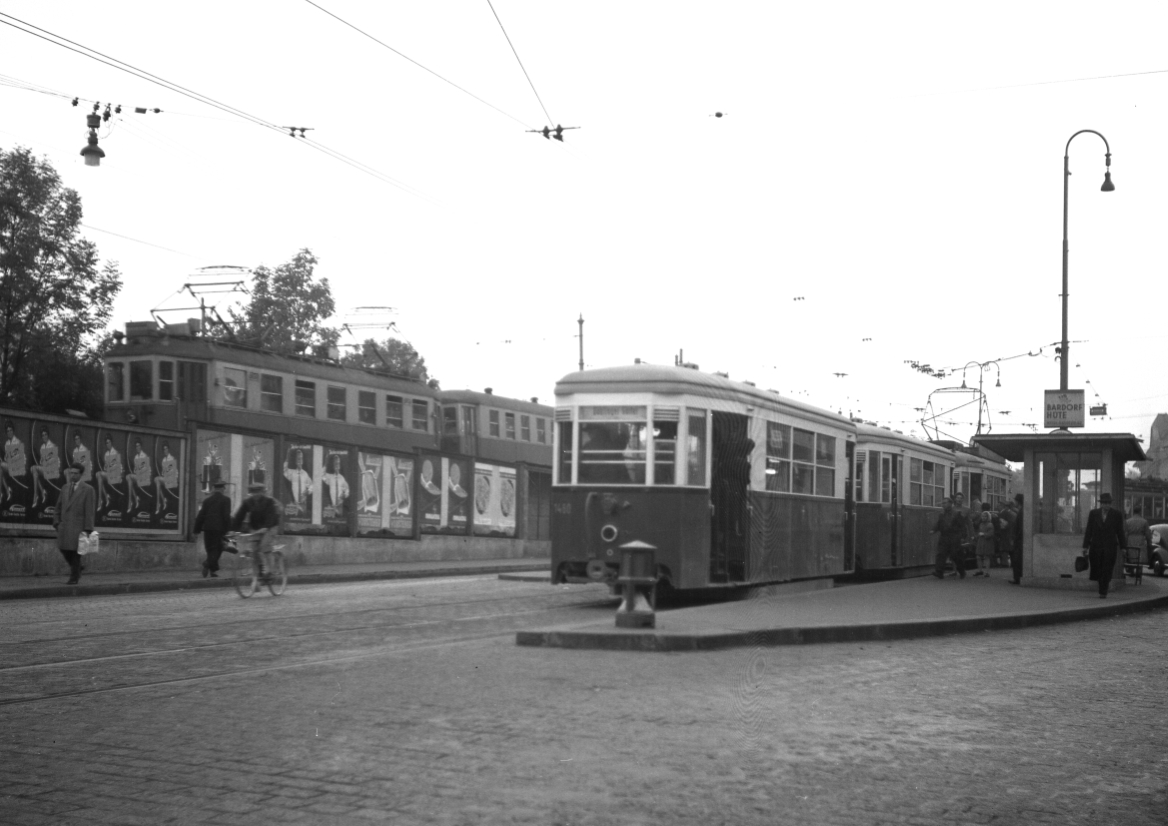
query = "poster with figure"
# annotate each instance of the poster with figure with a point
(430, 510)
(233, 458)
(457, 495)
(109, 478)
(211, 471)
(369, 481)
(385, 507)
(46, 471)
(257, 467)
(398, 490)
(79, 443)
(494, 500)
(15, 479)
(297, 491)
(167, 486)
(334, 488)
(140, 492)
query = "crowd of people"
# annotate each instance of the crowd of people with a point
(992, 536)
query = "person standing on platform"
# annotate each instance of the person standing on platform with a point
(984, 542)
(1139, 535)
(74, 514)
(1005, 535)
(214, 521)
(1016, 552)
(1102, 541)
(953, 530)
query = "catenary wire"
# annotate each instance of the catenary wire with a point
(416, 63)
(174, 87)
(521, 66)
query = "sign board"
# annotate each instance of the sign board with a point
(1064, 408)
(1099, 410)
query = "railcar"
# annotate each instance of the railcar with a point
(899, 484)
(725, 483)
(981, 476)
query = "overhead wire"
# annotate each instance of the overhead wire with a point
(521, 66)
(122, 66)
(416, 63)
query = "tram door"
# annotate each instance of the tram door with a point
(890, 473)
(850, 510)
(730, 477)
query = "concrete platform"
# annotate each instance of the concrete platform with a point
(126, 582)
(900, 609)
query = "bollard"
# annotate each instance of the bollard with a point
(638, 573)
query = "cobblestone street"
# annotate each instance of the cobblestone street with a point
(411, 703)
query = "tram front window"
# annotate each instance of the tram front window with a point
(612, 453)
(664, 453)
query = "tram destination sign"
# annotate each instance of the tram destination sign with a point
(1065, 408)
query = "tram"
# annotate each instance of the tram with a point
(727, 484)
(899, 484)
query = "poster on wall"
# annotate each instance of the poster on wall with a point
(140, 492)
(46, 471)
(384, 506)
(109, 479)
(235, 459)
(15, 477)
(457, 495)
(494, 500)
(167, 485)
(299, 492)
(430, 511)
(334, 488)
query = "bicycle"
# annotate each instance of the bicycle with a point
(245, 576)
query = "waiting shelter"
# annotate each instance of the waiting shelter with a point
(1064, 474)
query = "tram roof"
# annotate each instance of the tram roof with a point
(671, 380)
(875, 433)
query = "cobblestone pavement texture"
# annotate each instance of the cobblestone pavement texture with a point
(408, 702)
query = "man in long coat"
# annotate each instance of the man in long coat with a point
(214, 521)
(1103, 540)
(74, 514)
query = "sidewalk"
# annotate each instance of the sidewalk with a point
(900, 609)
(138, 582)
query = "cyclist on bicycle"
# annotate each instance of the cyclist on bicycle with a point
(261, 515)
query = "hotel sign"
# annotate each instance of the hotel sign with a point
(1065, 408)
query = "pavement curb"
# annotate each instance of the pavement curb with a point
(653, 641)
(224, 581)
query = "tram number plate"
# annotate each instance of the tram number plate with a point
(564, 508)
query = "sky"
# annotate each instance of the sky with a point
(884, 185)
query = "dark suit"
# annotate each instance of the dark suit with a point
(1102, 540)
(214, 521)
(74, 514)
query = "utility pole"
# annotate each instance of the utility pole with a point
(581, 323)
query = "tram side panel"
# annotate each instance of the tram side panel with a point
(589, 526)
(795, 537)
(874, 536)
(917, 545)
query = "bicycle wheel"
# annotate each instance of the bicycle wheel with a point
(244, 577)
(277, 573)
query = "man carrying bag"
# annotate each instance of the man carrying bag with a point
(73, 516)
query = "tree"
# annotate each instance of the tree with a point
(55, 300)
(287, 309)
(393, 356)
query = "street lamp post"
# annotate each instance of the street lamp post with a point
(1108, 186)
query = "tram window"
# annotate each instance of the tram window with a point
(166, 381)
(366, 407)
(874, 476)
(394, 414)
(493, 423)
(778, 455)
(271, 393)
(859, 478)
(664, 453)
(305, 398)
(336, 403)
(886, 478)
(421, 414)
(115, 375)
(612, 453)
(450, 420)
(509, 425)
(234, 387)
(142, 381)
(525, 428)
(564, 467)
(825, 465)
(541, 430)
(696, 448)
(803, 470)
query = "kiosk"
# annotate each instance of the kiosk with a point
(1064, 475)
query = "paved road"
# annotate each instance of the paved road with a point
(408, 702)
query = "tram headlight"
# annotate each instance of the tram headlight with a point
(609, 533)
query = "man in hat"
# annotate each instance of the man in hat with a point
(214, 521)
(74, 514)
(1016, 544)
(258, 514)
(1102, 541)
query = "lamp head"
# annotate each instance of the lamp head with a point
(92, 153)
(1108, 186)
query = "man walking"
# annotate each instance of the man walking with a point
(74, 514)
(214, 521)
(953, 529)
(1102, 540)
(1016, 552)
